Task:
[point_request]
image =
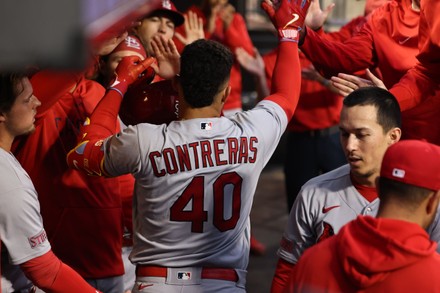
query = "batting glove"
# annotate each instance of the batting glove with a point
(289, 18)
(128, 71)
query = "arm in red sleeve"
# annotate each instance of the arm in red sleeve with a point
(347, 31)
(51, 275)
(286, 80)
(332, 57)
(50, 86)
(413, 87)
(237, 35)
(422, 80)
(429, 38)
(283, 272)
(88, 155)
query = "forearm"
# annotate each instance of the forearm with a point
(51, 275)
(283, 272)
(330, 57)
(286, 80)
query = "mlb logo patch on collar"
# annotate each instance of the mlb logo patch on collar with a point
(206, 125)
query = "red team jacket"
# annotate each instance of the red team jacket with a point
(235, 36)
(82, 215)
(370, 255)
(388, 40)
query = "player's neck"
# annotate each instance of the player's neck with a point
(369, 181)
(194, 113)
(6, 141)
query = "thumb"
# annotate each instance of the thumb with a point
(374, 79)
(329, 9)
(155, 67)
(257, 53)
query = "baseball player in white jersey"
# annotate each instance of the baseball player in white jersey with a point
(196, 177)
(369, 123)
(26, 256)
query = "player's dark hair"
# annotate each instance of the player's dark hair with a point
(406, 195)
(204, 69)
(8, 90)
(388, 109)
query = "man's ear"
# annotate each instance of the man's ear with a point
(2, 117)
(433, 202)
(226, 93)
(394, 135)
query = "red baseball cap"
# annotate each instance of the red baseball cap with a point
(414, 162)
(131, 43)
(167, 7)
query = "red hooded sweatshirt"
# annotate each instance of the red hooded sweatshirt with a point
(370, 255)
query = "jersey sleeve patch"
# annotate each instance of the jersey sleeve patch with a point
(38, 239)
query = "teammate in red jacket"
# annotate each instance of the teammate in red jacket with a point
(389, 41)
(390, 253)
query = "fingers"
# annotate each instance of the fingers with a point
(155, 67)
(242, 55)
(159, 46)
(344, 87)
(257, 53)
(268, 7)
(329, 9)
(375, 80)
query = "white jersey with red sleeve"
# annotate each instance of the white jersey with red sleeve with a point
(324, 204)
(21, 226)
(195, 181)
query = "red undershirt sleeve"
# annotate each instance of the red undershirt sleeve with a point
(51, 275)
(286, 80)
(283, 273)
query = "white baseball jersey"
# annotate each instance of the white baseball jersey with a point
(195, 181)
(21, 225)
(325, 204)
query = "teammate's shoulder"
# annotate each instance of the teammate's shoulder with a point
(336, 175)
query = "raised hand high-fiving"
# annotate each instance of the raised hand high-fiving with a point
(288, 17)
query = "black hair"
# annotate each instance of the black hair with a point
(8, 89)
(409, 196)
(205, 67)
(388, 109)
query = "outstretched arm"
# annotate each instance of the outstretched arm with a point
(88, 155)
(288, 19)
